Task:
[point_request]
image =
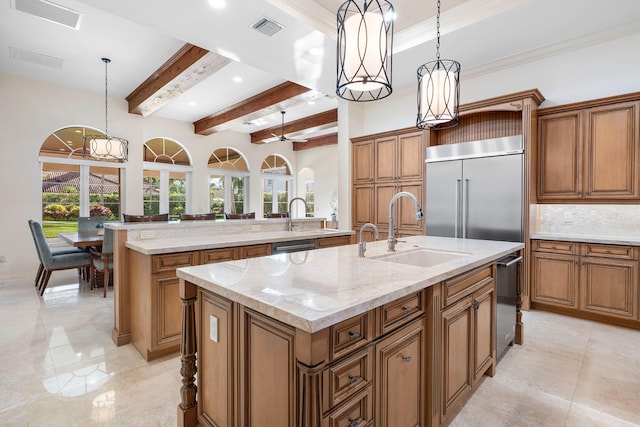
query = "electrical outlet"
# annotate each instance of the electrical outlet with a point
(147, 234)
(568, 217)
(213, 328)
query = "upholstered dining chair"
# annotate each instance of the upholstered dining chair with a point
(249, 215)
(102, 260)
(198, 217)
(145, 218)
(54, 262)
(89, 224)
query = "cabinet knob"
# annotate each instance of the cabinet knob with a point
(353, 421)
(407, 309)
(353, 378)
(354, 335)
(406, 358)
(476, 305)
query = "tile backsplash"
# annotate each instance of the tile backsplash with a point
(606, 220)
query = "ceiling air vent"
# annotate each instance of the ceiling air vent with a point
(267, 26)
(49, 11)
(35, 58)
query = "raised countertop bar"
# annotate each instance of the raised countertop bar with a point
(314, 290)
(631, 240)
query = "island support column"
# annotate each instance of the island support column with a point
(121, 333)
(188, 407)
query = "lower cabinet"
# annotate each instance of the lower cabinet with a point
(590, 280)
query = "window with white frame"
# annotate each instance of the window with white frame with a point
(276, 184)
(167, 167)
(228, 182)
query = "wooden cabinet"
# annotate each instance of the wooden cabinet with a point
(464, 327)
(589, 153)
(596, 281)
(397, 164)
(330, 242)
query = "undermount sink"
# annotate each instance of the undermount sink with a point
(421, 257)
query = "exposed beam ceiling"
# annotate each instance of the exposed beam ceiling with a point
(188, 67)
(277, 98)
(315, 123)
(318, 141)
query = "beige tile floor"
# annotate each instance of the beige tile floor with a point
(59, 367)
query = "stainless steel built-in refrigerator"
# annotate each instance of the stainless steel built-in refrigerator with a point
(474, 190)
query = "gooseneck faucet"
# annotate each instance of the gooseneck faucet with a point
(290, 213)
(391, 241)
(362, 244)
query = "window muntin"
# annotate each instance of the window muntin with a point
(228, 182)
(276, 184)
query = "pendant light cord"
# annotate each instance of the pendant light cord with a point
(438, 33)
(106, 105)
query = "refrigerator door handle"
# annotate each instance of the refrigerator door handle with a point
(458, 212)
(465, 209)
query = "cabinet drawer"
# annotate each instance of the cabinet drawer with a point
(351, 334)
(465, 284)
(217, 255)
(343, 380)
(400, 312)
(609, 251)
(358, 412)
(329, 242)
(255, 251)
(170, 262)
(555, 246)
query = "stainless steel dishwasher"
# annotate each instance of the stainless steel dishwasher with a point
(293, 246)
(509, 275)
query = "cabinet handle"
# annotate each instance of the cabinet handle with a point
(476, 305)
(353, 378)
(354, 335)
(407, 309)
(406, 358)
(354, 421)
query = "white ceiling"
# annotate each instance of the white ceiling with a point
(139, 36)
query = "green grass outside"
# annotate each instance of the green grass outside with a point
(52, 228)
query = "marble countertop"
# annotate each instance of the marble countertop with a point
(630, 240)
(316, 289)
(157, 246)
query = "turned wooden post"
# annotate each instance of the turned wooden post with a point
(309, 395)
(188, 407)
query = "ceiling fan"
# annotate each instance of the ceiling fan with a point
(282, 137)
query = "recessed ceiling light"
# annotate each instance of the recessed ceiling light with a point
(237, 79)
(217, 4)
(311, 102)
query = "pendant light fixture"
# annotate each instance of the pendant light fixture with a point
(105, 147)
(365, 45)
(438, 90)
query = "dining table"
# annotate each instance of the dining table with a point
(80, 239)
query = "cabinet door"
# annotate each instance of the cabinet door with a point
(363, 209)
(411, 154)
(362, 162)
(612, 154)
(216, 346)
(406, 210)
(609, 287)
(484, 321)
(386, 159)
(400, 377)
(560, 156)
(555, 279)
(166, 315)
(383, 195)
(267, 362)
(457, 344)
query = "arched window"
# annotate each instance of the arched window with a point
(228, 182)
(167, 168)
(276, 184)
(74, 185)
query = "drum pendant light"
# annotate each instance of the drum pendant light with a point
(365, 45)
(105, 147)
(438, 90)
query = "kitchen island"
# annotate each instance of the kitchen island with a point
(325, 338)
(147, 309)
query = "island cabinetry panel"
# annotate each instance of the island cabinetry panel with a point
(596, 281)
(329, 242)
(462, 333)
(589, 153)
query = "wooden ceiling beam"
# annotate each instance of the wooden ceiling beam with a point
(185, 69)
(315, 123)
(318, 141)
(277, 98)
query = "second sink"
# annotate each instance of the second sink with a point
(421, 257)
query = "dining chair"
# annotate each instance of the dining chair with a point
(277, 215)
(198, 217)
(89, 224)
(54, 261)
(249, 215)
(145, 218)
(102, 260)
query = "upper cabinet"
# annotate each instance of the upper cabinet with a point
(399, 157)
(589, 152)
